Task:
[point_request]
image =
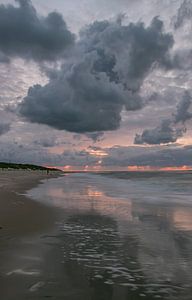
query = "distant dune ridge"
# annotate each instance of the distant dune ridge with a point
(4, 165)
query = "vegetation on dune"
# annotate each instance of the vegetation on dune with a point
(4, 165)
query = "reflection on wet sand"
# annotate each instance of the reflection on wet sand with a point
(110, 247)
(88, 199)
(182, 218)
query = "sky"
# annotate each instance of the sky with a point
(96, 84)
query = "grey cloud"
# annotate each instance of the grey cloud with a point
(167, 131)
(46, 142)
(167, 157)
(127, 53)
(6, 120)
(20, 153)
(103, 76)
(95, 136)
(23, 33)
(182, 60)
(79, 103)
(78, 158)
(184, 13)
(157, 156)
(4, 128)
(4, 58)
(162, 134)
(183, 114)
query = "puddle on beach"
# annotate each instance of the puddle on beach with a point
(113, 239)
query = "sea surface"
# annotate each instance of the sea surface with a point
(116, 235)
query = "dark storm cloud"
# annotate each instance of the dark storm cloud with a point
(103, 76)
(167, 132)
(4, 58)
(23, 33)
(83, 104)
(4, 128)
(183, 114)
(127, 53)
(162, 134)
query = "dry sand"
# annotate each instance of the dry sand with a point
(20, 215)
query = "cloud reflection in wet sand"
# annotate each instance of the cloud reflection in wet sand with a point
(121, 246)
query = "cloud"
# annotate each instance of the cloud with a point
(183, 114)
(184, 13)
(46, 142)
(4, 58)
(157, 156)
(162, 134)
(167, 131)
(12, 151)
(95, 136)
(181, 60)
(103, 77)
(166, 157)
(25, 34)
(4, 128)
(6, 120)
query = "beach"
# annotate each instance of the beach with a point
(20, 215)
(20, 219)
(97, 236)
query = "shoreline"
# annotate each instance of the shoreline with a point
(20, 215)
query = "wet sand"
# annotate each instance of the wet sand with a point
(100, 238)
(22, 221)
(117, 238)
(19, 215)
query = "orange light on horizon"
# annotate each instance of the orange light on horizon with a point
(100, 167)
(67, 167)
(86, 167)
(139, 168)
(98, 153)
(151, 168)
(182, 168)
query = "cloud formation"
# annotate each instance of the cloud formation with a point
(103, 77)
(95, 136)
(184, 13)
(183, 114)
(173, 157)
(162, 134)
(25, 34)
(167, 131)
(4, 128)
(156, 156)
(46, 142)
